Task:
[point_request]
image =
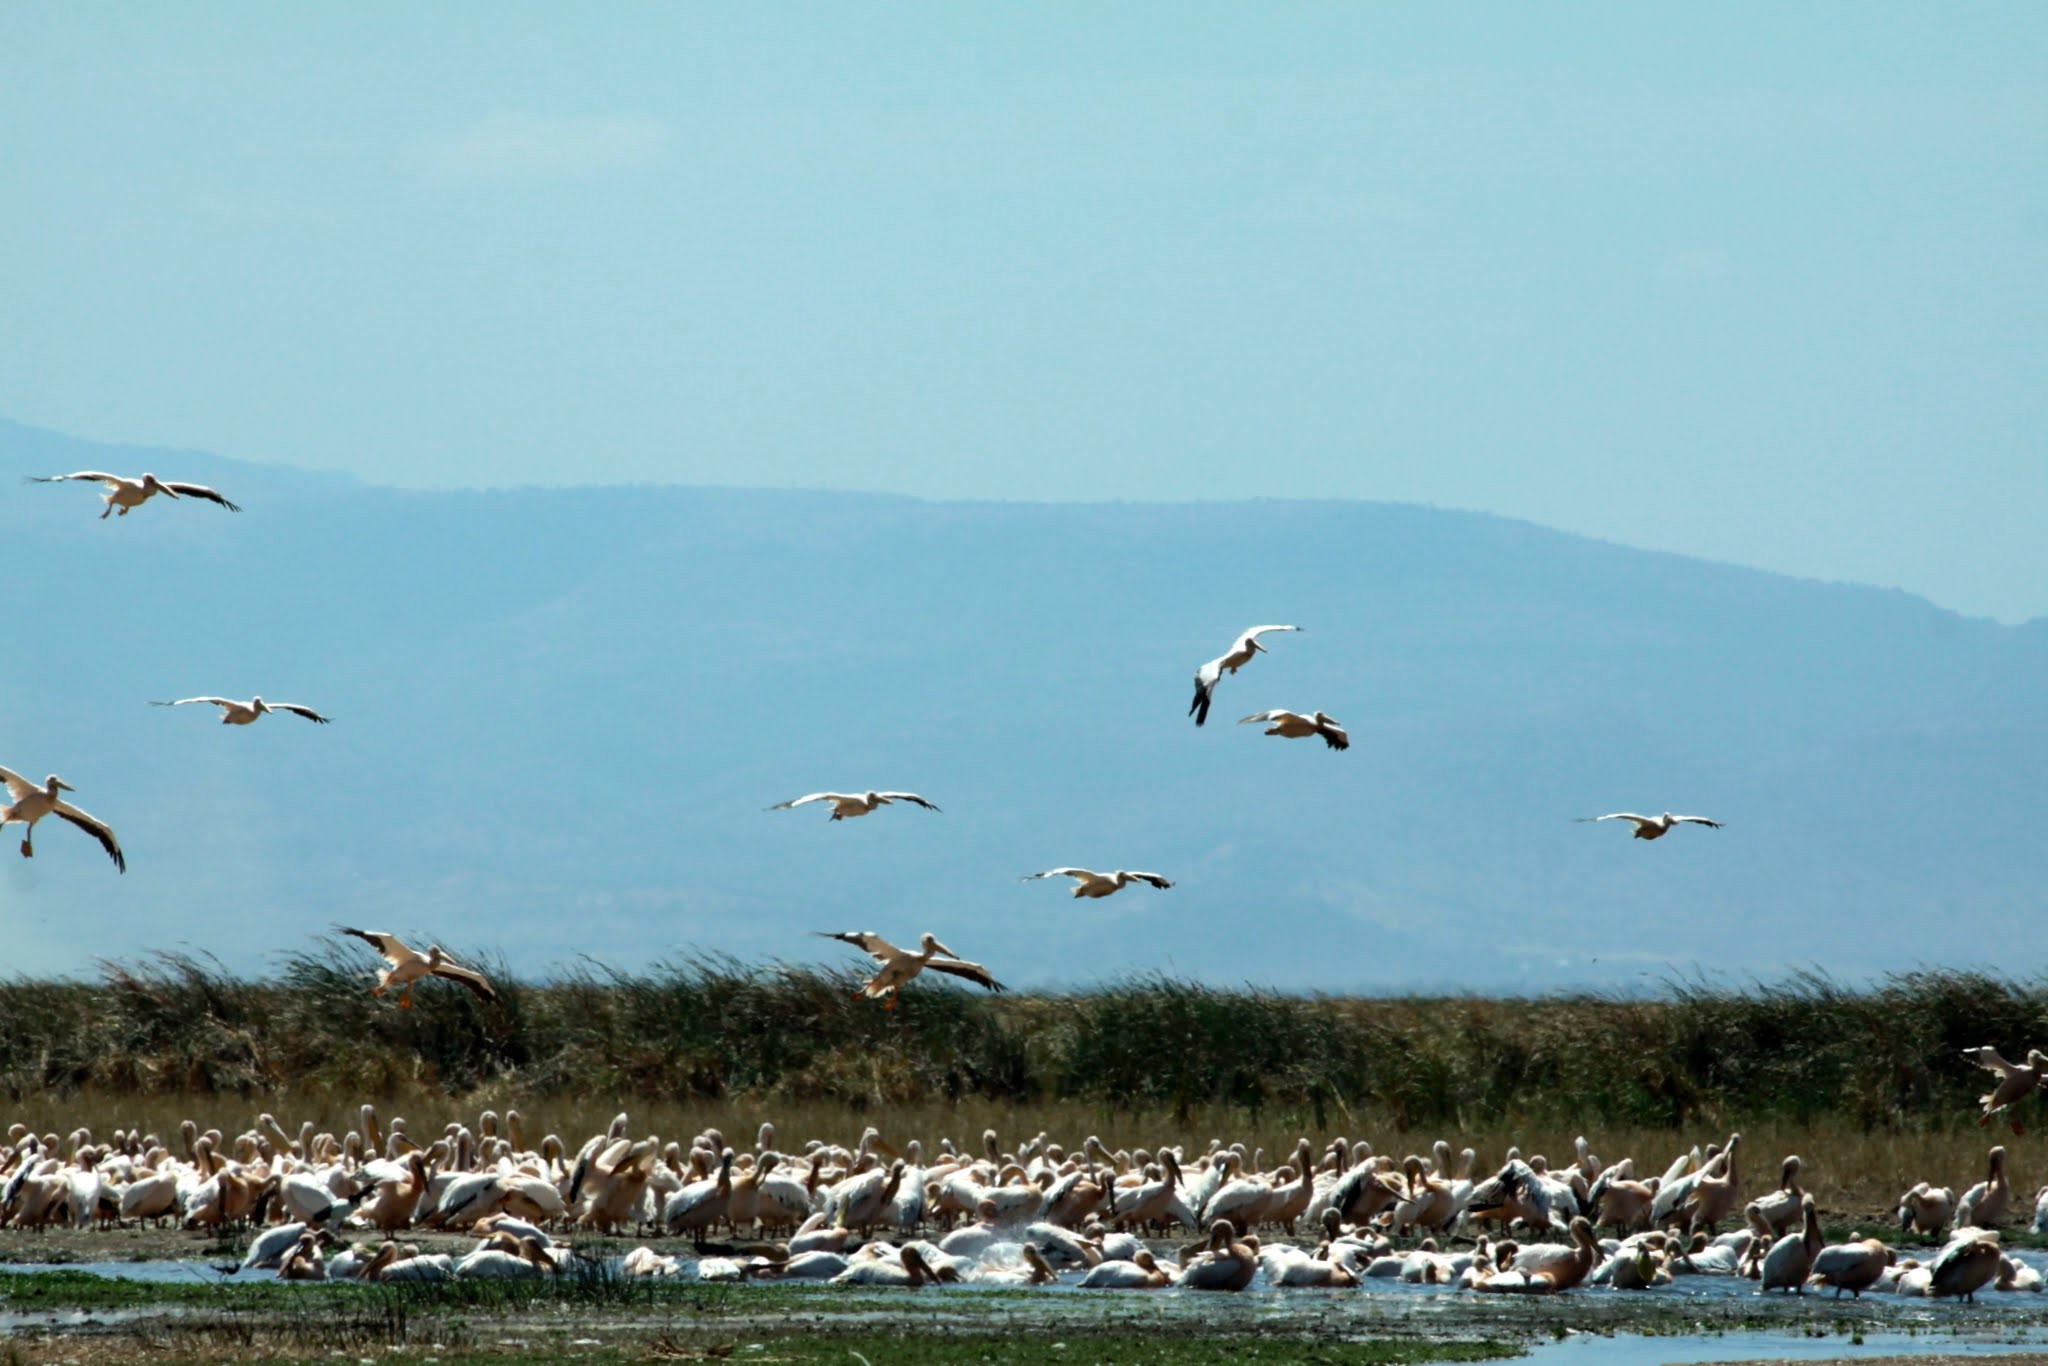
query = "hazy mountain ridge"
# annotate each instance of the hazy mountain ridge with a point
(560, 712)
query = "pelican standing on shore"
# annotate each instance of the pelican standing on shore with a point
(32, 803)
(900, 965)
(1230, 661)
(233, 713)
(123, 494)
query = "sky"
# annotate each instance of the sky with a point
(1763, 283)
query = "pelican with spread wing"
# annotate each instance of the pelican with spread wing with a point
(1087, 883)
(1653, 827)
(233, 713)
(900, 965)
(32, 803)
(1296, 725)
(2015, 1081)
(1230, 661)
(846, 805)
(123, 493)
(407, 966)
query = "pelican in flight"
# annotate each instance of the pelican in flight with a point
(233, 713)
(1295, 726)
(1653, 827)
(408, 966)
(900, 965)
(2015, 1081)
(1088, 883)
(1230, 661)
(32, 803)
(123, 494)
(846, 805)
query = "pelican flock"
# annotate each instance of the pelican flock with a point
(1040, 1212)
(487, 1200)
(124, 493)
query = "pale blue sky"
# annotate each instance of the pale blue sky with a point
(1764, 283)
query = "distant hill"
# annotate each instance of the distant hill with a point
(559, 714)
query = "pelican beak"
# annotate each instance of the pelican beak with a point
(943, 949)
(63, 786)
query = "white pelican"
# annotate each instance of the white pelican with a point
(32, 803)
(123, 494)
(1984, 1204)
(233, 713)
(1653, 827)
(1790, 1260)
(1853, 1266)
(1966, 1265)
(1236, 657)
(1296, 726)
(846, 805)
(407, 967)
(900, 965)
(1088, 883)
(2015, 1082)
(1141, 1272)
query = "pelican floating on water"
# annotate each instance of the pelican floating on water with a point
(900, 965)
(407, 967)
(1293, 725)
(846, 805)
(32, 803)
(233, 713)
(1230, 661)
(123, 493)
(1088, 883)
(1653, 827)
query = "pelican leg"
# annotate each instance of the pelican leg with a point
(405, 1001)
(2019, 1126)
(890, 1004)
(107, 509)
(28, 846)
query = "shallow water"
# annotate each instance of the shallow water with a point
(1585, 1349)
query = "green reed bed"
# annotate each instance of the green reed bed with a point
(712, 1032)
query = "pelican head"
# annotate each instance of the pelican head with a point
(931, 944)
(874, 798)
(54, 784)
(257, 704)
(156, 485)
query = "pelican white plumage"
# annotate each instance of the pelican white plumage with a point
(125, 493)
(2015, 1081)
(407, 966)
(32, 803)
(1653, 827)
(1094, 884)
(846, 805)
(233, 713)
(1230, 661)
(900, 965)
(1295, 725)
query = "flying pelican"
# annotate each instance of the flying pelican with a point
(32, 803)
(900, 965)
(1087, 883)
(1236, 657)
(1653, 827)
(2015, 1081)
(124, 494)
(233, 713)
(408, 967)
(849, 804)
(1295, 726)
